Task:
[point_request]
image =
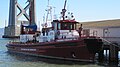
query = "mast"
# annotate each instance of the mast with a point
(49, 14)
(64, 10)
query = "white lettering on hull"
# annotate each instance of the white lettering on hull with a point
(25, 49)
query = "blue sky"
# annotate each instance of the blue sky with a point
(84, 10)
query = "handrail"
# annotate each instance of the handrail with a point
(110, 43)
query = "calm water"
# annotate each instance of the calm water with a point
(10, 60)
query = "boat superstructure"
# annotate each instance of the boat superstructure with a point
(60, 41)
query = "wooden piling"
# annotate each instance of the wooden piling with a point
(101, 56)
(106, 55)
(113, 54)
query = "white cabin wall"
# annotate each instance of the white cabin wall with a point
(26, 38)
(114, 32)
(98, 33)
(114, 35)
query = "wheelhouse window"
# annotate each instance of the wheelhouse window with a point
(59, 26)
(68, 26)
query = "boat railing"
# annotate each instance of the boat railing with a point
(106, 42)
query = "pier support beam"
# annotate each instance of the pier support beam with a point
(113, 54)
(101, 56)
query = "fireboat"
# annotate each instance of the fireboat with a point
(60, 41)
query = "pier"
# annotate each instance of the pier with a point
(109, 53)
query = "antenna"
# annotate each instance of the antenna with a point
(55, 17)
(49, 14)
(48, 2)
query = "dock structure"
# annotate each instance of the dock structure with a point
(13, 28)
(109, 53)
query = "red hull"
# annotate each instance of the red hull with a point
(69, 50)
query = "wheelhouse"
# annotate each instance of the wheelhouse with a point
(64, 25)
